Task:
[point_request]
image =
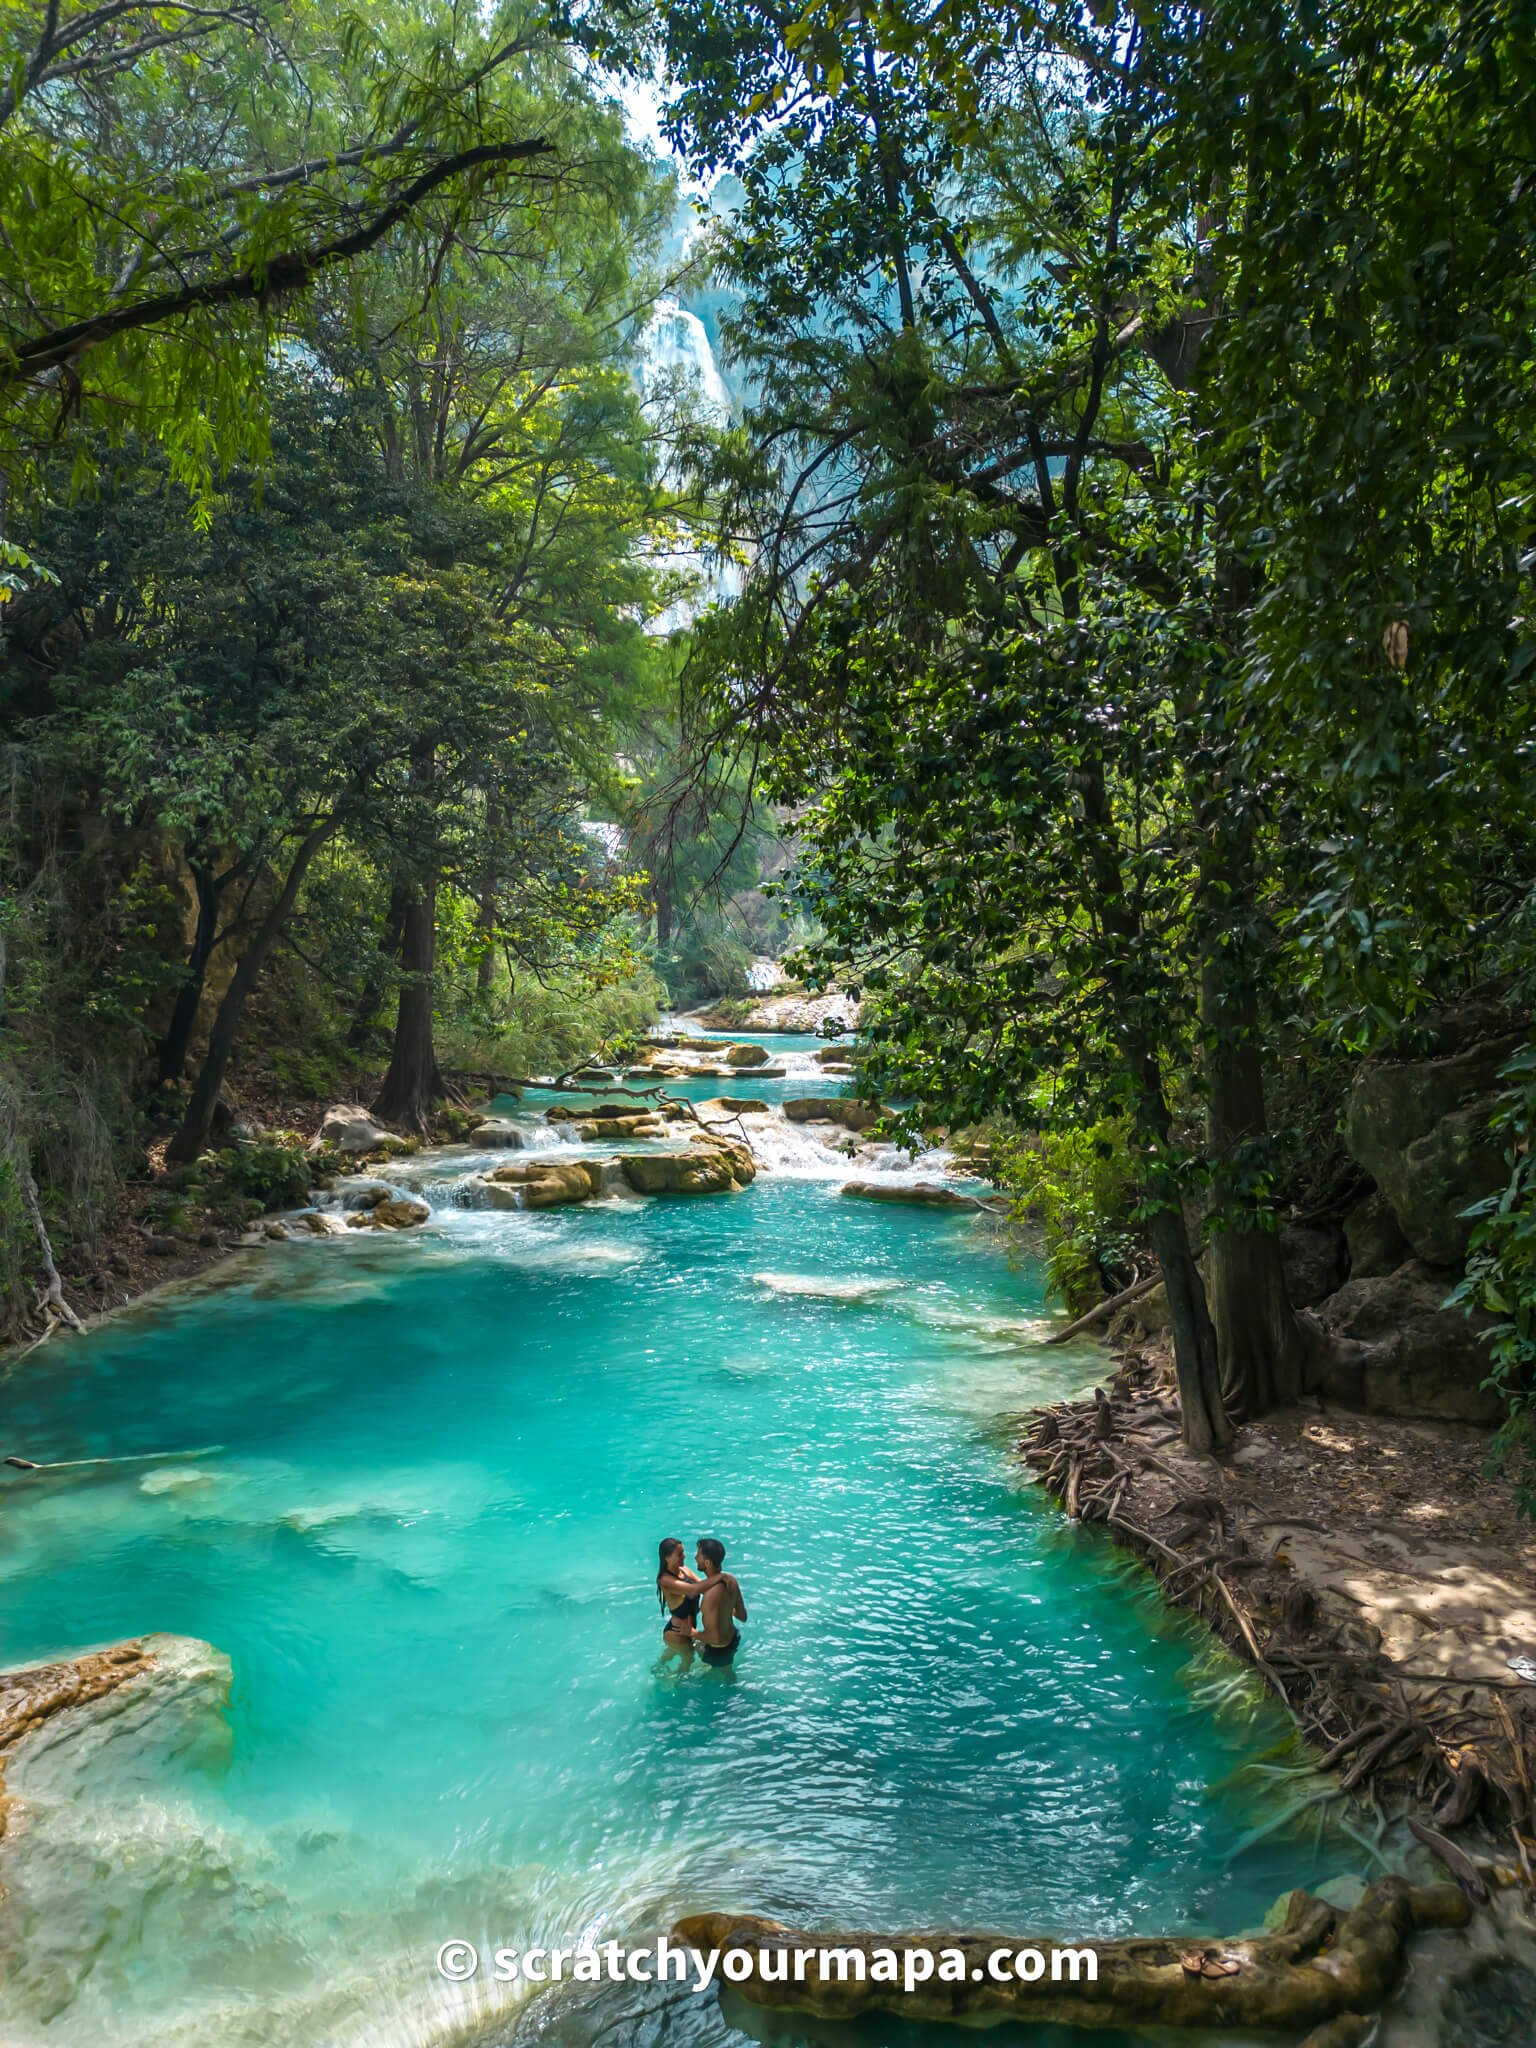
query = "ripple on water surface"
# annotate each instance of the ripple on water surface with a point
(426, 1543)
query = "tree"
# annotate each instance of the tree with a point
(174, 177)
(986, 482)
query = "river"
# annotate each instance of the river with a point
(435, 1468)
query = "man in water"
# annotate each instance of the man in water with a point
(721, 1604)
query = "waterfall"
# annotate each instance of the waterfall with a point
(678, 373)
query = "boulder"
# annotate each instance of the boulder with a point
(747, 1056)
(497, 1133)
(601, 1076)
(711, 1166)
(615, 1129)
(395, 1212)
(597, 1112)
(349, 1127)
(541, 1183)
(321, 1223)
(365, 1194)
(1404, 1353)
(737, 1105)
(1376, 1245)
(923, 1194)
(833, 1056)
(835, 1109)
(1315, 1259)
(1419, 1128)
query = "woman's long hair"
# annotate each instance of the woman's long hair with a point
(664, 1550)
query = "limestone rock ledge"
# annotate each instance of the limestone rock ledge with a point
(33, 1697)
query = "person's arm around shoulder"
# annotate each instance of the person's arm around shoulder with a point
(738, 1605)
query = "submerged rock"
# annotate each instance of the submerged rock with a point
(835, 1109)
(922, 1194)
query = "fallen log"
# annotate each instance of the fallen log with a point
(1134, 1292)
(1322, 1965)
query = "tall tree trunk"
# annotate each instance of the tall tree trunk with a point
(378, 974)
(1261, 1344)
(1206, 1425)
(661, 891)
(413, 1084)
(171, 1054)
(485, 967)
(197, 1124)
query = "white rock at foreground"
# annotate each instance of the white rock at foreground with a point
(349, 1127)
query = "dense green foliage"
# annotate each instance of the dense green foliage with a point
(1133, 661)
(1140, 491)
(326, 631)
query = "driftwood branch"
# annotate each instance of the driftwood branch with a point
(1134, 1292)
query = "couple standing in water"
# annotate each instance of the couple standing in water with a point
(703, 1606)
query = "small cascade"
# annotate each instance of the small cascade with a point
(826, 1152)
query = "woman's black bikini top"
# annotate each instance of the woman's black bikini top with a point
(686, 1610)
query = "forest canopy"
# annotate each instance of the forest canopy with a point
(1129, 508)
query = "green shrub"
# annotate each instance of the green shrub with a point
(277, 1176)
(1078, 1188)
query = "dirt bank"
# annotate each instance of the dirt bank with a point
(1379, 1581)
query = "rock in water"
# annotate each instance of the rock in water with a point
(398, 1214)
(612, 1130)
(746, 1056)
(737, 1105)
(835, 1109)
(349, 1127)
(600, 1112)
(320, 1223)
(711, 1166)
(497, 1133)
(541, 1183)
(923, 1194)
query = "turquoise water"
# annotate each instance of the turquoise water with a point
(426, 1542)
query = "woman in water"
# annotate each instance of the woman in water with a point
(679, 1592)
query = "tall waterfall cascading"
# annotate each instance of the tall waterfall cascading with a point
(678, 370)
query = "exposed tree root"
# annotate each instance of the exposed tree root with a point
(1460, 1742)
(54, 1309)
(1323, 1966)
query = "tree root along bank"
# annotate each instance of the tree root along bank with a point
(1322, 1966)
(1376, 1617)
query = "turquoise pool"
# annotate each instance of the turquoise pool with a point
(426, 1541)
